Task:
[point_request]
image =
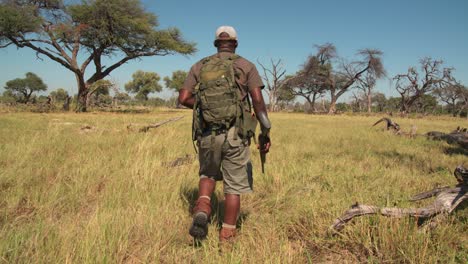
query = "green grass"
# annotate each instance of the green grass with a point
(105, 196)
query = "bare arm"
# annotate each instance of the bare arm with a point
(186, 98)
(260, 109)
(262, 116)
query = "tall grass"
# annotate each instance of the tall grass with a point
(106, 195)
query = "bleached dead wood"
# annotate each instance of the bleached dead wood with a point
(447, 199)
(390, 124)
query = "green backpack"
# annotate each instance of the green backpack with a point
(219, 103)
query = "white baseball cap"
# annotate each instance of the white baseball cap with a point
(226, 29)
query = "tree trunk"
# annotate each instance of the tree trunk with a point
(369, 103)
(82, 101)
(273, 101)
(66, 104)
(311, 105)
(332, 108)
(314, 97)
(81, 105)
(404, 107)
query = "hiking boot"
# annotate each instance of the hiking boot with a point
(201, 215)
(227, 234)
(226, 238)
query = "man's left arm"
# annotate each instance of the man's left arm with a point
(262, 116)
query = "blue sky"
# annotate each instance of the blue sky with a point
(405, 31)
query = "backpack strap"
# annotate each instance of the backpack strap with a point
(196, 128)
(239, 116)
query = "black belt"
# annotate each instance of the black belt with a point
(217, 130)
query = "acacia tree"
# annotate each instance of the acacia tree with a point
(273, 77)
(304, 86)
(99, 92)
(348, 74)
(413, 84)
(426, 103)
(455, 96)
(311, 81)
(59, 95)
(22, 89)
(331, 73)
(285, 97)
(175, 82)
(143, 84)
(79, 35)
(366, 82)
(380, 101)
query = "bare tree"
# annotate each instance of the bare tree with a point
(359, 100)
(412, 85)
(273, 78)
(367, 81)
(464, 100)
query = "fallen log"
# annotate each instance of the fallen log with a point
(458, 136)
(447, 199)
(390, 124)
(146, 128)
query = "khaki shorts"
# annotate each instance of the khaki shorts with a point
(228, 159)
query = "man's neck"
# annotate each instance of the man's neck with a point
(226, 50)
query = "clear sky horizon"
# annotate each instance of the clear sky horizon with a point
(405, 31)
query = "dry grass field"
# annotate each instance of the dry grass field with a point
(82, 188)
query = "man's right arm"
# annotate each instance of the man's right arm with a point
(186, 98)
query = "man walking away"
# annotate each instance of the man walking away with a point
(222, 89)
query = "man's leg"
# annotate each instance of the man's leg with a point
(237, 175)
(202, 209)
(231, 213)
(210, 162)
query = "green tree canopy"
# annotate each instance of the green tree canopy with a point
(77, 35)
(143, 84)
(101, 87)
(59, 95)
(379, 101)
(176, 81)
(122, 97)
(22, 89)
(99, 92)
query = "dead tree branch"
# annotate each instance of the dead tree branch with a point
(447, 199)
(156, 125)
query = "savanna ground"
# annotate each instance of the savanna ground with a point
(108, 195)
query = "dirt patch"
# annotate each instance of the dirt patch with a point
(87, 129)
(24, 210)
(187, 159)
(89, 205)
